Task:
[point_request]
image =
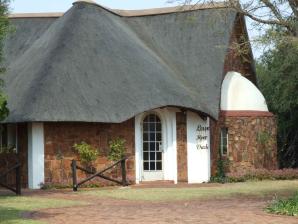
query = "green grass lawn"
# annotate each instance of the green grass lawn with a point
(12, 207)
(260, 188)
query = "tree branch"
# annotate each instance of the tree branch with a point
(250, 8)
(234, 4)
(247, 12)
(273, 9)
(294, 6)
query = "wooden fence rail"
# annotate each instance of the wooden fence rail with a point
(100, 174)
(18, 185)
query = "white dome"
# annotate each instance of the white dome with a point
(238, 93)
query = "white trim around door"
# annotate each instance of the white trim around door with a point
(169, 146)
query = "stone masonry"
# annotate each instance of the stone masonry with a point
(59, 152)
(181, 146)
(251, 142)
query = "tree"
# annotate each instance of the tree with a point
(4, 28)
(277, 70)
(276, 19)
(278, 79)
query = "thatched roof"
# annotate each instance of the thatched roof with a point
(92, 64)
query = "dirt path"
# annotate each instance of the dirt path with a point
(235, 210)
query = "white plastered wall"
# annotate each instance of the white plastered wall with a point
(198, 148)
(168, 119)
(238, 93)
(35, 155)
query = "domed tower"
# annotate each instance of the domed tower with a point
(246, 129)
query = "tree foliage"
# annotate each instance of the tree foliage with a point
(117, 149)
(279, 13)
(278, 80)
(87, 153)
(277, 21)
(273, 21)
(4, 29)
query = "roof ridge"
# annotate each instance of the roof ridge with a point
(166, 10)
(128, 13)
(36, 15)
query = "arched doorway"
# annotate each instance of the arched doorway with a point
(152, 148)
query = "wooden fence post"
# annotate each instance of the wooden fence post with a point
(123, 169)
(74, 175)
(18, 180)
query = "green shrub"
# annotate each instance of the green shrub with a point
(86, 152)
(255, 175)
(221, 164)
(285, 207)
(67, 186)
(262, 174)
(8, 149)
(55, 186)
(220, 176)
(117, 149)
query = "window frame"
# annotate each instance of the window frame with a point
(157, 153)
(222, 129)
(9, 137)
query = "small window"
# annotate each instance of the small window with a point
(224, 141)
(3, 136)
(8, 137)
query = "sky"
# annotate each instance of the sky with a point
(26, 6)
(18, 6)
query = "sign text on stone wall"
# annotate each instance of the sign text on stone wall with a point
(202, 136)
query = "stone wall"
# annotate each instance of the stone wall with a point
(60, 138)
(251, 141)
(181, 146)
(251, 144)
(240, 60)
(214, 144)
(23, 149)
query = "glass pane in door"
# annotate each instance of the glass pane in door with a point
(152, 139)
